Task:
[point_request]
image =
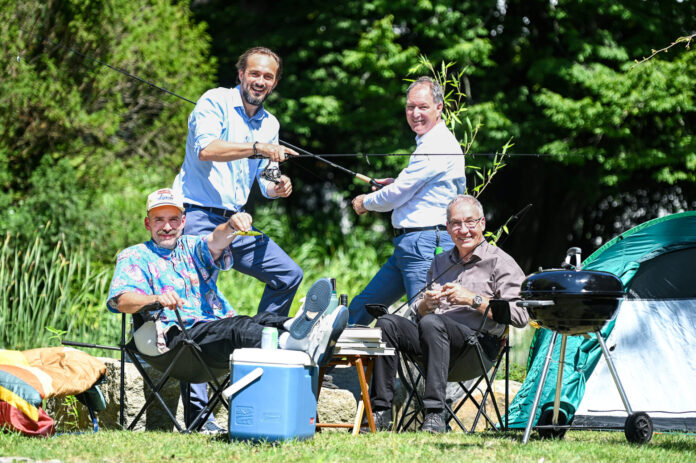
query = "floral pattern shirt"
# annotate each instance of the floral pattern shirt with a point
(188, 269)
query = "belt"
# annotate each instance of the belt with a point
(226, 213)
(403, 231)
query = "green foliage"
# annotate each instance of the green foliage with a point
(48, 294)
(567, 85)
(72, 127)
(72, 421)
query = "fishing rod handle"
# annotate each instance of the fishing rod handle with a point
(369, 180)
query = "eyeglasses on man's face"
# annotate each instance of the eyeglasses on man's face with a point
(459, 224)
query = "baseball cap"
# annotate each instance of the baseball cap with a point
(164, 197)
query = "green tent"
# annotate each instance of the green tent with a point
(652, 337)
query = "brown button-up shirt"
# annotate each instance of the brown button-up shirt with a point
(490, 272)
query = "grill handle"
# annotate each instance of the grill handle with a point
(533, 304)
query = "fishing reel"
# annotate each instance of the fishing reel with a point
(272, 174)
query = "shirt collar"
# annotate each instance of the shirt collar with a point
(159, 250)
(420, 139)
(476, 255)
(254, 120)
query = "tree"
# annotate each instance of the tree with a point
(71, 127)
(558, 77)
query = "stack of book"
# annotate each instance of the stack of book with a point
(363, 341)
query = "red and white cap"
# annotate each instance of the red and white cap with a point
(164, 197)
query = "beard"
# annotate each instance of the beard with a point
(250, 99)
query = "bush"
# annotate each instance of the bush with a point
(51, 293)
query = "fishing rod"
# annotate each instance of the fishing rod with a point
(362, 177)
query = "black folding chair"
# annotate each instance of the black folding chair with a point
(184, 363)
(472, 366)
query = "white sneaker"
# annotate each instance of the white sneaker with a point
(317, 301)
(323, 336)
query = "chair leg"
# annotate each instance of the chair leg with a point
(214, 384)
(489, 391)
(413, 381)
(506, 353)
(154, 394)
(122, 392)
(216, 398)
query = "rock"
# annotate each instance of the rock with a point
(335, 406)
(71, 415)
(468, 412)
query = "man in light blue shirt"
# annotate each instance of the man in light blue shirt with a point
(226, 128)
(418, 198)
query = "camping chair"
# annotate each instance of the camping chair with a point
(183, 363)
(472, 366)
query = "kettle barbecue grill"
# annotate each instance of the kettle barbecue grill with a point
(572, 301)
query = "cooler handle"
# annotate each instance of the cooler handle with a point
(242, 382)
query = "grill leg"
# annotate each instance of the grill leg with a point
(535, 404)
(559, 381)
(614, 375)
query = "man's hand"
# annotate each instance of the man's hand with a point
(383, 181)
(283, 188)
(276, 153)
(223, 234)
(457, 294)
(358, 205)
(430, 302)
(240, 221)
(170, 300)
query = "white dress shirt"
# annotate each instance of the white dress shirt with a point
(421, 192)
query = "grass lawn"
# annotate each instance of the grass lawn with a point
(119, 446)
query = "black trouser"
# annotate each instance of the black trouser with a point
(437, 340)
(219, 338)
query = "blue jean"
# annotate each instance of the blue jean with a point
(258, 256)
(404, 272)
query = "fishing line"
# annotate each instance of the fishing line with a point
(368, 155)
(516, 216)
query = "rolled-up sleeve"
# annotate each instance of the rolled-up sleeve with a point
(204, 259)
(263, 183)
(205, 123)
(407, 184)
(509, 277)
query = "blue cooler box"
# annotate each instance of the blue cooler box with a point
(280, 401)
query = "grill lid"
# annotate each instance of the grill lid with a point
(559, 283)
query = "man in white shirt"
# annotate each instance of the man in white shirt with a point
(418, 198)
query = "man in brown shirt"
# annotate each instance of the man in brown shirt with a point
(463, 283)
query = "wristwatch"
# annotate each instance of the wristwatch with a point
(476, 303)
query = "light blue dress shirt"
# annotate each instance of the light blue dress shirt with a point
(421, 192)
(219, 115)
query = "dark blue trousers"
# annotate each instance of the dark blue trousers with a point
(258, 256)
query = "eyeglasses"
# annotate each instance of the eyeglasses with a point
(459, 224)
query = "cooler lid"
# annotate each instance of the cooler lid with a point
(271, 357)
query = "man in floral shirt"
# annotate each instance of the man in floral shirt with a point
(178, 271)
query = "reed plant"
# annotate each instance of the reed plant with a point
(49, 291)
